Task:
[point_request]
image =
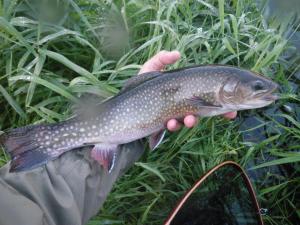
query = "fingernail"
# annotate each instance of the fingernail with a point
(176, 52)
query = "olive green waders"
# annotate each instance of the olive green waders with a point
(66, 191)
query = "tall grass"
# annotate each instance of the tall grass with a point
(51, 55)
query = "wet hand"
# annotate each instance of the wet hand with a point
(158, 63)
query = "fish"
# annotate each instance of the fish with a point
(141, 109)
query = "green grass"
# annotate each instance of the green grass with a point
(94, 46)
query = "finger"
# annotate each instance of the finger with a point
(190, 121)
(173, 125)
(230, 115)
(159, 61)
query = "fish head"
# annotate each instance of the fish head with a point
(247, 90)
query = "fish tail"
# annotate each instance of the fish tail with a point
(26, 146)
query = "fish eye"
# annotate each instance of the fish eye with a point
(258, 85)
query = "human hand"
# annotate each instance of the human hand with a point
(158, 63)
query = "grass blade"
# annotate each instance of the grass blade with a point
(47, 84)
(12, 102)
(151, 169)
(221, 14)
(286, 160)
(37, 70)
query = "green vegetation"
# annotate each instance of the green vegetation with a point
(51, 52)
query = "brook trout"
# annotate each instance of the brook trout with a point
(141, 109)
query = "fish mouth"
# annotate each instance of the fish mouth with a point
(270, 97)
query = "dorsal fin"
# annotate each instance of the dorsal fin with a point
(88, 105)
(138, 79)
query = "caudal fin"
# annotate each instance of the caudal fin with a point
(26, 147)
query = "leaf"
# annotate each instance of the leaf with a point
(9, 7)
(272, 188)
(22, 22)
(278, 162)
(83, 18)
(68, 63)
(23, 60)
(6, 26)
(146, 212)
(51, 37)
(12, 102)
(37, 70)
(212, 9)
(151, 169)
(46, 84)
(80, 70)
(228, 46)
(221, 14)
(234, 25)
(145, 45)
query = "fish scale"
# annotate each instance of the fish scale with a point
(141, 109)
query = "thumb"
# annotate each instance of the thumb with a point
(159, 61)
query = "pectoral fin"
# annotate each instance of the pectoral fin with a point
(106, 155)
(199, 102)
(156, 138)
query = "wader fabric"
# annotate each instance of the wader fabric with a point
(66, 191)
